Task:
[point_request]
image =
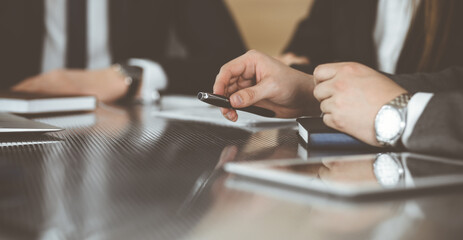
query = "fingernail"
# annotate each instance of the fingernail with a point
(237, 100)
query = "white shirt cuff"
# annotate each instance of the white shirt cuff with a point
(154, 79)
(415, 108)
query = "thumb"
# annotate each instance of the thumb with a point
(247, 96)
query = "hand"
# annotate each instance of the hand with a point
(292, 59)
(351, 95)
(106, 84)
(257, 79)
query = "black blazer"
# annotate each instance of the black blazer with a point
(138, 29)
(439, 129)
(342, 30)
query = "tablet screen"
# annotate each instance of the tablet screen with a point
(357, 175)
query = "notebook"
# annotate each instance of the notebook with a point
(315, 134)
(27, 103)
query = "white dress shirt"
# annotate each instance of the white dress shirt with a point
(415, 108)
(98, 55)
(393, 21)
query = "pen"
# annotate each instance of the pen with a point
(224, 102)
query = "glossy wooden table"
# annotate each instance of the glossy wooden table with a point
(124, 174)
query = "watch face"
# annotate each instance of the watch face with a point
(388, 123)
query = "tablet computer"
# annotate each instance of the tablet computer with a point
(356, 176)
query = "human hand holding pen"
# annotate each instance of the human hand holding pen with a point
(257, 79)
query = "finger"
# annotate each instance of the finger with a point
(323, 90)
(231, 89)
(227, 91)
(240, 84)
(326, 72)
(327, 106)
(328, 120)
(245, 83)
(219, 87)
(243, 66)
(286, 58)
(249, 96)
(17, 88)
(229, 114)
(23, 87)
(300, 60)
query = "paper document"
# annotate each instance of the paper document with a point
(213, 115)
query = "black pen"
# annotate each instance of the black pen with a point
(224, 102)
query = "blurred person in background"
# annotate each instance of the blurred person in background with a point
(392, 36)
(116, 49)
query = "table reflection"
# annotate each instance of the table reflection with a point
(124, 174)
(241, 210)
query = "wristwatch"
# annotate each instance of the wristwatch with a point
(132, 77)
(391, 120)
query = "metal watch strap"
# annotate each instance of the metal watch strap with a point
(401, 101)
(400, 104)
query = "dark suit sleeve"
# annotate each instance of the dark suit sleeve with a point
(447, 80)
(208, 32)
(313, 36)
(439, 130)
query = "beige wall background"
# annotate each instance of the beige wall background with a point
(267, 25)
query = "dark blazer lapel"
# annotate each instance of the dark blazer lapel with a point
(364, 28)
(355, 20)
(413, 46)
(118, 29)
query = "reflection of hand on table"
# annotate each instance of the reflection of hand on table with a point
(349, 219)
(360, 171)
(266, 144)
(228, 154)
(112, 119)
